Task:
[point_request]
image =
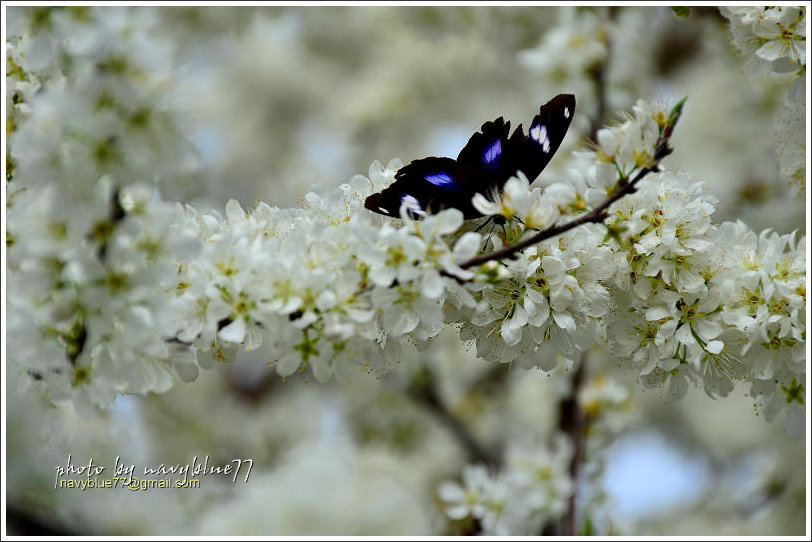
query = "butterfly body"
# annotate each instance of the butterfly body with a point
(484, 165)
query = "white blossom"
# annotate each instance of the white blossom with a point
(774, 39)
(533, 489)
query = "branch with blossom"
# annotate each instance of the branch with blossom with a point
(321, 287)
(325, 285)
(115, 290)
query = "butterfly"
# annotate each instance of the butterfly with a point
(483, 166)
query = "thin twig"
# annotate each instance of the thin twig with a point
(424, 391)
(598, 214)
(599, 78)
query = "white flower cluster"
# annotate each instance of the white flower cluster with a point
(768, 310)
(707, 304)
(712, 304)
(531, 490)
(323, 286)
(577, 44)
(90, 244)
(774, 39)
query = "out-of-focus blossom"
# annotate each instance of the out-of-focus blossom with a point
(774, 39)
(533, 490)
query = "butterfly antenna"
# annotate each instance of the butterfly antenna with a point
(483, 224)
(520, 221)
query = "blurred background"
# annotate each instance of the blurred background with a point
(279, 101)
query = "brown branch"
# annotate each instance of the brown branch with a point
(598, 74)
(571, 422)
(424, 391)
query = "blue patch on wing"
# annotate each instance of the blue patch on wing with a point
(492, 155)
(443, 180)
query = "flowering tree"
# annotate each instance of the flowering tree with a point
(615, 255)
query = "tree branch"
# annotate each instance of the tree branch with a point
(571, 422)
(598, 74)
(424, 391)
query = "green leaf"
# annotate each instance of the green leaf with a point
(589, 529)
(676, 111)
(681, 11)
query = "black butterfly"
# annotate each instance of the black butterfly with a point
(483, 166)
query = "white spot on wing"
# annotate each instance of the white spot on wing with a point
(539, 134)
(566, 112)
(384, 211)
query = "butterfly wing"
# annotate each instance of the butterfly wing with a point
(425, 186)
(545, 135)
